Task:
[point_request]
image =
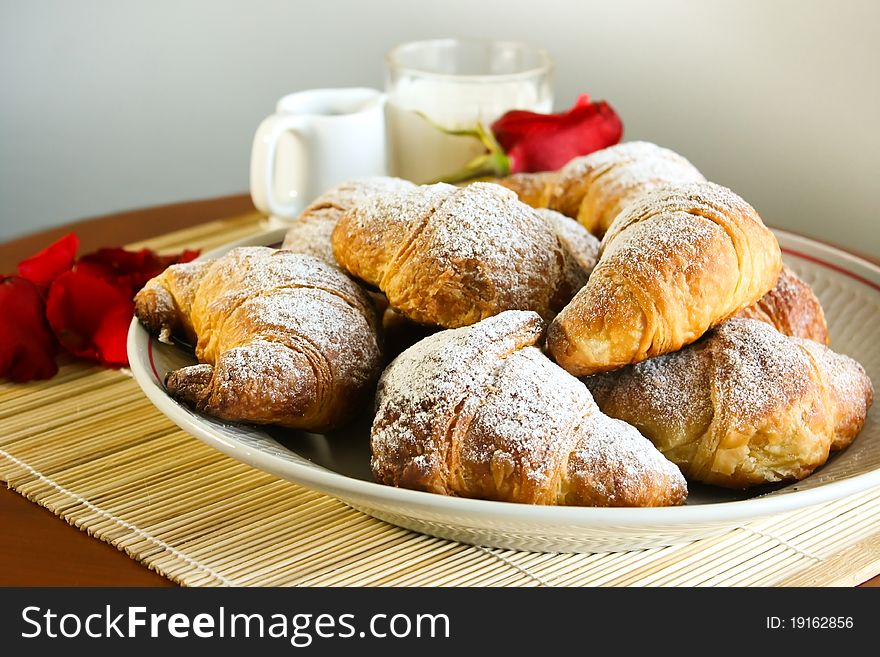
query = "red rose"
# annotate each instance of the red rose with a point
(522, 141)
(27, 346)
(546, 142)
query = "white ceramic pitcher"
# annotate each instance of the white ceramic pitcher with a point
(315, 140)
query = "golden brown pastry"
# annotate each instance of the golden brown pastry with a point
(675, 263)
(481, 412)
(534, 189)
(580, 248)
(791, 308)
(450, 256)
(312, 231)
(744, 406)
(582, 251)
(282, 338)
(594, 188)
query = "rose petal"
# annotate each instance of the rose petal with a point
(57, 258)
(129, 270)
(546, 142)
(112, 334)
(27, 346)
(515, 124)
(90, 317)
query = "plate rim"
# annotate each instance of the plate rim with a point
(344, 487)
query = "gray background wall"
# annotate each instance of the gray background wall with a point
(108, 105)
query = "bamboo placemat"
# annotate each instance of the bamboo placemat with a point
(89, 446)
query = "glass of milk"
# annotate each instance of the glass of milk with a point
(456, 84)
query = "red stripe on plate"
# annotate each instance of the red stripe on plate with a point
(830, 265)
(152, 362)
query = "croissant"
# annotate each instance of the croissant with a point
(449, 256)
(594, 188)
(744, 406)
(481, 412)
(675, 263)
(791, 308)
(281, 337)
(580, 248)
(312, 231)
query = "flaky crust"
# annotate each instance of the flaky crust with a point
(449, 256)
(534, 189)
(580, 248)
(744, 406)
(675, 263)
(312, 231)
(791, 308)
(595, 188)
(481, 412)
(165, 304)
(282, 338)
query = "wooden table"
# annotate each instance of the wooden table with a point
(36, 547)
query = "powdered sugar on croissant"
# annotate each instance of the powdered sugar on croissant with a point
(745, 405)
(791, 308)
(594, 188)
(312, 231)
(676, 262)
(449, 256)
(481, 412)
(283, 338)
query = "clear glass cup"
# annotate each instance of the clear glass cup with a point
(456, 84)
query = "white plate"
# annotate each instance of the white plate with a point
(338, 464)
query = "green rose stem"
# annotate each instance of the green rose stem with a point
(493, 163)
